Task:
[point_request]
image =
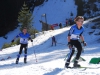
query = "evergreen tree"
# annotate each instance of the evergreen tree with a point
(80, 7)
(95, 9)
(25, 17)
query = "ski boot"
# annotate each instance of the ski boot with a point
(67, 65)
(17, 60)
(25, 60)
(76, 64)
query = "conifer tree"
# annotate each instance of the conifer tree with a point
(25, 17)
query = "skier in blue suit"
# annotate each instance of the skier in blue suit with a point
(24, 37)
(75, 33)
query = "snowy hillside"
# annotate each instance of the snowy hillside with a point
(56, 11)
(50, 60)
(9, 36)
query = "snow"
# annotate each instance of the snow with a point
(56, 11)
(10, 36)
(50, 60)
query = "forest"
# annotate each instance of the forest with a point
(9, 13)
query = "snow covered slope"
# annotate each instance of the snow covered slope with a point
(10, 36)
(50, 60)
(56, 11)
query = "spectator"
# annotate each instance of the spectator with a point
(52, 28)
(60, 25)
(53, 41)
(67, 22)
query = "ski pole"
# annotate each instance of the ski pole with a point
(34, 53)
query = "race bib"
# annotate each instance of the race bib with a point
(73, 36)
(23, 40)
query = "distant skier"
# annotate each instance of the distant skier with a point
(24, 37)
(60, 25)
(53, 41)
(74, 34)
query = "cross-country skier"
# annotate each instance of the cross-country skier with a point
(75, 33)
(24, 37)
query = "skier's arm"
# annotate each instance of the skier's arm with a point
(82, 38)
(15, 38)
(68, 38)
(69, 43)
(70, 33)
(30, 38)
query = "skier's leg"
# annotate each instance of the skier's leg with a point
(79, 51)
(72, 50)
(25, 55)
(25, 47)
(55, 43)
(21, 48)
(18, 56)
(52, 43)
(17, 60)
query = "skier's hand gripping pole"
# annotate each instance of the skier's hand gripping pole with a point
(83, 46)
(69, 45)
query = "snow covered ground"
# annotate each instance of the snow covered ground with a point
(57, 11)
(10, 36)
(50, 60)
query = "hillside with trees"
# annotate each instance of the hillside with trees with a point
(9, 13)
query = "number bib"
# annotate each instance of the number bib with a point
(73, 36)
(23, 40)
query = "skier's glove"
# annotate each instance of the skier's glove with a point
(12, 41)
(69, 44)
(31, 40)
(84, 43)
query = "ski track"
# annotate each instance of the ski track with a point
(50, 60)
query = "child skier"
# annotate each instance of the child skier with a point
(75, 33)
(24, 36)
